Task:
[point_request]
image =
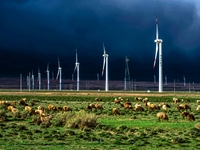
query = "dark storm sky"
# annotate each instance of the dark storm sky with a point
(36, 32)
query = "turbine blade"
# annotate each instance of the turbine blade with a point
(76, 57)
(156, 27)
(104, 50)
(75, 68)
(57, 74)
(155, 55)
(104, 61)
(58, 62)
(48, 67)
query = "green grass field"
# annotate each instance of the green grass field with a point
(97, 128)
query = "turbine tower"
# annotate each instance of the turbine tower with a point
(77, 69)
(127, 74)
(159, 46)
(48, 76)
(105, 62)
(39, 78)
(32, 81)
(59, 74)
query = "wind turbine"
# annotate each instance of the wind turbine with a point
(59, 73)
(47, 76)
(39, 78)
(32, 81)
(159, 46)
(77, 68)
(105, 62)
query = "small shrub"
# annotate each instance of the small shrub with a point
(3, 115)
(82, 119)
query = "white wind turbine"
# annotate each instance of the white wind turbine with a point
(59, 74)
(159, 46)
(39, 78)
(32, 81)
(47, 76)
(77, 68)
(105, 62)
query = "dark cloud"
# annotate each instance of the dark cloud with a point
(42, 30)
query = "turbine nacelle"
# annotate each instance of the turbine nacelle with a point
(158, 41)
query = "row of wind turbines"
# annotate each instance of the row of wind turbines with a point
(105, 67)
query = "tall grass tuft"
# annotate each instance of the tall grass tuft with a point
(79, 119)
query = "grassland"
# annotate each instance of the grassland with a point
(130, 130)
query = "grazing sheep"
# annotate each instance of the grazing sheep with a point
(186, 107)
(92, 105)
(98, 99)
(98, 106)
(138, 98)
(14, 110)
(88, 107)
(165, 107)
(52, 107)
(117, 101)
(66, 108)
(39, 112)
(13, 103)
(198, 101)
(41, 108)
(185, 114)
(198, 108)
(22, 103)
(163, 116)
(176, 100)
(45, 118)
(116, 111)
(128, 105)
(28, 108)
(6, 103)
(145, 100)
(191, 117)
(153, 107)
(139, 108)
(10, 108)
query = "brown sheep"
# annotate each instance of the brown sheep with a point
(39, 112)
(139, 108)
(153, 107)
(98, 106)
(13, 103)
(163, 116)
(117, 101)
(41, 108)
(185, 106)
(185, 114)
(176, 100)
(14, 110)
(138, 98)
(92, 105)
(198, 108)
(128, 105)
(66, 108)
(28, 108)
(98, 99)
(22, 103)
(45, 118)
(10, 108)
(52, 107)
(191, 117)
(88, 107)
(145, 100)
(165, 107)
(116, 111)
